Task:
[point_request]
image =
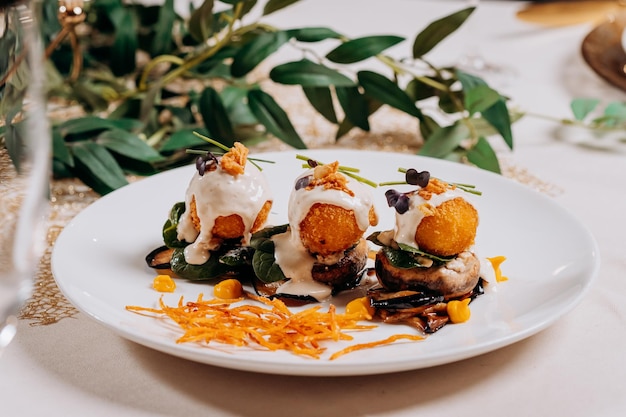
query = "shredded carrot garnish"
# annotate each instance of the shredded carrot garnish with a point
(270, 325)
(370, 345)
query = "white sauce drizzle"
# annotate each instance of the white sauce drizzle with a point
(218, 193)
(291, 255)
(301, 201)
(406, 223)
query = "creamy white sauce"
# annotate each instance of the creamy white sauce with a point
(407, 223)
(218, 193)
(291, 255)
(301, 201)
(297, 265)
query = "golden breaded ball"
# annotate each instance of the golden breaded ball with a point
(451, 228)
(228, 227)
(261, 218)
(232, 226)
(328, 229)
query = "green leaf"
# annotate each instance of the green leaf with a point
(129, 145)
(201, 21)
(483, 156)
(468, 81)
(438, 30)
(355, 106)
(273, 5)
(480, 98)
(386, 91)
(209, 270)
(362, 48)
(616, 110)
(483, 128)
(264, 262)
(346, 125)
(162, 41)
(236, 103)
(274, 118)
(404, 259)
(418, 90)
(94, 124)
(313, 34)
(183, 139)
(102, 169)
(13, 137)
(255, 51)
(60, 151)
(215, 117)
(308, 74)
(498, 116)
(169, 231)
(89, 96)
(265, 233)
(427, 126)
(445, 140)
(124, 47)
(322, 100)
(581, 107)
(247, 6)
(408, 248)
(238, 256)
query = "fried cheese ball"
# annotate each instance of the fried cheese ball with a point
(450, 229)
(232, 226)
(328, 229)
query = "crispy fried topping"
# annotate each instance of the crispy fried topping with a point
(427, 209)
(329, 177)
(435, 186)
(234, 161)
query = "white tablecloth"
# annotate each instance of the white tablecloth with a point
(76, 367)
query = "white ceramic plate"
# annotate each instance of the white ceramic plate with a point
(98, 263)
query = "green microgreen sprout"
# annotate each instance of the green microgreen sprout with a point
(349, 171)
(225, 148)
(468, 188)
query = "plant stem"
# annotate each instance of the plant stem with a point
(573, 122)
(400, 69)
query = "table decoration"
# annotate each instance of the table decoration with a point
(603, 51)
(147, 79)
(565, 13)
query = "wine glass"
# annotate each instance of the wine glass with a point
(24, 158)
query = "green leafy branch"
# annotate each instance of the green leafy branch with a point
(587, 113)
(150, 79)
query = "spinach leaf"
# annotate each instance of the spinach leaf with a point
(266, 233)
(239, 256)
(170, 235)
(263, 261)
(403, 259)
(416, 251)
(406, 256)
(209, 270)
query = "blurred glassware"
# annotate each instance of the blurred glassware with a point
(473, 60)
(24, 158)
